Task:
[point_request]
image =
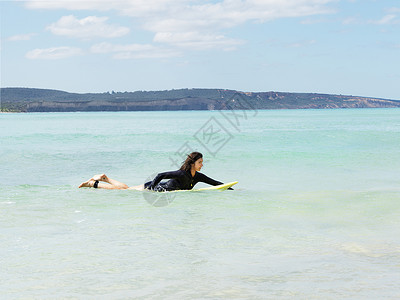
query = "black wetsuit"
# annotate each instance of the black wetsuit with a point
(179, 180)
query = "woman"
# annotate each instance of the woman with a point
(183, 179)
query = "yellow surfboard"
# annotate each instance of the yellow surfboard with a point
(221, 187)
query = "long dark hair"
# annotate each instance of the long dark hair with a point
(190, 160)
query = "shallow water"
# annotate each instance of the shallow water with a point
(315, 215)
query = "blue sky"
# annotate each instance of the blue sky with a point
(349, 47)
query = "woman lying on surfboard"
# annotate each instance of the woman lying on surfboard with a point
(183, 179)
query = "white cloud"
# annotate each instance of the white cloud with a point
(101, 5)
(198, 26)
(133, 51)
(131, 7)
(393, 10)
(226, 12)
(21, 37)
(351, 21)
(300, 44)
(54, 53)
(313, 21)
(187, 23)
(294, 44)
(196, 40)
(86, 28)
(388, 19)
(147, 54)
(108, 48)
(230, 13)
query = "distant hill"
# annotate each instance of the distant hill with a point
(43, 100)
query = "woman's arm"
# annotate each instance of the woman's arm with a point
(208, 180)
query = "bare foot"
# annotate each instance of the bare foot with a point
(88, 183)
(100, 177)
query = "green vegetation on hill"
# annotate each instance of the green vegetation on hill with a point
(42, 100)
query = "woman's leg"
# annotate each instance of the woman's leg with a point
(104, 183)
(104, 178)
(137, 188)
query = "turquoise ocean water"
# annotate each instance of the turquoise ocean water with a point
(316, 213)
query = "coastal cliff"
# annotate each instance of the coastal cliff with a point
(43, 100)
